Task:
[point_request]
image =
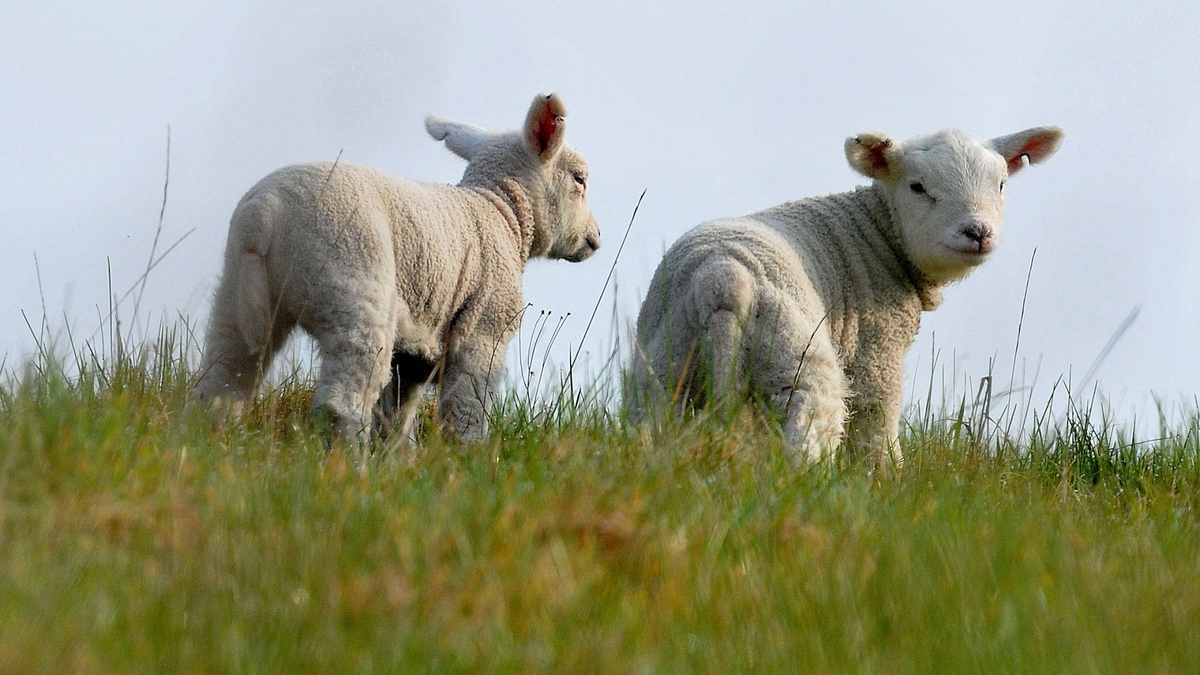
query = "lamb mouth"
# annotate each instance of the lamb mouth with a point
(972, 254)
(585, 249)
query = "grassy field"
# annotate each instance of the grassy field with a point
(140, 536)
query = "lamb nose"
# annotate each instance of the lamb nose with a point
(593, 241)
(976, 232)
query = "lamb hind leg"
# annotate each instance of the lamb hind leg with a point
(645, 397)
(805, 386)
(355, 353)
(229, 371)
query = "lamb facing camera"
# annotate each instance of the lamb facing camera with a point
(811, 306)
(401, 283)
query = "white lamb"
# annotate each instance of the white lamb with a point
(382, 270)
(811, 306)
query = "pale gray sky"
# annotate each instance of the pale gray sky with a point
(715, 109)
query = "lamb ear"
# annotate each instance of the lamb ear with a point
(545, 126)
(1037, 144)
(872, 154)
(464, 140)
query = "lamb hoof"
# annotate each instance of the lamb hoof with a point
(332, 426)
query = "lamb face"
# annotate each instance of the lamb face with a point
(947, 191)
(571, 229)
(552, 175)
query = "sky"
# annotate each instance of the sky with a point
(713, 109)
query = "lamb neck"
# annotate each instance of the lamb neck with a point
(512, 201)
(851, 244)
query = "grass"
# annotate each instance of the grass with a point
(139, 535)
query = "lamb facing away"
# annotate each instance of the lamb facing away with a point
(811, 306)
(382, 270)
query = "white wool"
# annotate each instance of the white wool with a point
(400, 283)
(811, 306)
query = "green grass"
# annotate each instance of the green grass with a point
(138, 535)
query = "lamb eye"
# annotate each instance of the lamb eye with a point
(917, 188)
(1002, 186)
(580, 178)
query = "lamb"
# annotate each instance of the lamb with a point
(811, 306)
(396, 279)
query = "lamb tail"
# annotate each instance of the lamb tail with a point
(254, 310)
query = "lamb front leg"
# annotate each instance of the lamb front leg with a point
(874, 428)
(470, 381)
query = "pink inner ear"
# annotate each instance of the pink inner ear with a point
(876, 159)
(546, 127)
(1034, 147)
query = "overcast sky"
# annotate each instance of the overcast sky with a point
(714, 109)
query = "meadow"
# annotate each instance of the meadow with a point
(140, 535)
